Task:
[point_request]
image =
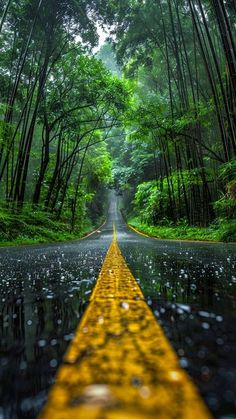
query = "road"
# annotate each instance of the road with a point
(191, 288)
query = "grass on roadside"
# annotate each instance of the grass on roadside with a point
(38, 227)
(221, 230)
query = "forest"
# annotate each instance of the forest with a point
(150, 113)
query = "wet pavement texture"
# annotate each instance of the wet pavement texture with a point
(191, 288)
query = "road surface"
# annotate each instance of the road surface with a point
(191, 288)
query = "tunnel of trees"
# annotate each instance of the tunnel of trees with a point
(151, 113)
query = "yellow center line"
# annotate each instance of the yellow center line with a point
(114, 231)
(120, 365)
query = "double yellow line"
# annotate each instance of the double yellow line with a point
(120, 364)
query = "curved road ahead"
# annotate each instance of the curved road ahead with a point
(191, 288)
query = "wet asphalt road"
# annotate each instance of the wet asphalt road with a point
(191, 288)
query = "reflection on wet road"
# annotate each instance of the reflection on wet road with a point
(191, 288)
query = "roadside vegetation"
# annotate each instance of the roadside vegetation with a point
(152, 113)
(36, 227)
(176, 166)
(58, 105)
(218, 231)
(32, 227)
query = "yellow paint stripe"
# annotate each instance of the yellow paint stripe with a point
(120, 364)
(140, 232)
(114, 232)
(93, 232)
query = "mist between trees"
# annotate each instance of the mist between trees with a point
(152, 114)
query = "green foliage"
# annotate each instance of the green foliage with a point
(181, 112)
(64, 104)
(228, 170)
(226, 207)
(31, 227)
(223, 231)
(152, 198)
(227, 231)
(147, 201)
(101, 164)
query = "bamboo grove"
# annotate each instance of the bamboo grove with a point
(168, 122)
(183, 58)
